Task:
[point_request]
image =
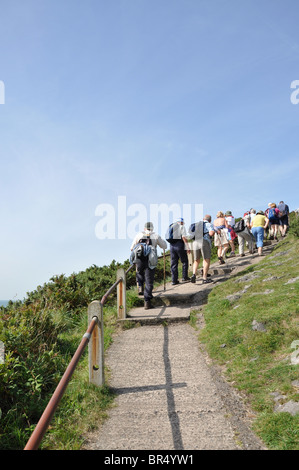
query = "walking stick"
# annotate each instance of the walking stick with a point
(164, 270)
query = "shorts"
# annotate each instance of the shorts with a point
(201, 247)
(274, 221)
(284, 220)
(221, 239)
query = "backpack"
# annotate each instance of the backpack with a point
(239, 226)
(271, 214)
(197, 230)
(152, 257)
(173, 234)
(282, 210)
(141, 250)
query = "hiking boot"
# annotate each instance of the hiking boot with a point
(207, 281)
(221, 260)
(140, 290)
(147, 305)
(186, 278)
(174, 283)
(193, 278)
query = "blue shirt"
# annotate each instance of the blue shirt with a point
(208, 227)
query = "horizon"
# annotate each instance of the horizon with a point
(174, 102)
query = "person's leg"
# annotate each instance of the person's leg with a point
(232, 247)
(251, 243)
(224, 249)
(174, 260)
(241, 241)
(194, 268)
(140, 274)
(206, 254)
(184, 260)
(260, 240)
(276, 232)
(149, 275)
(206, 266)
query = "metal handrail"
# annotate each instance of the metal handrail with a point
(47, 415)
(44, 422)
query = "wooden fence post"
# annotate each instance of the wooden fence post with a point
(121, 294)
(96, 345)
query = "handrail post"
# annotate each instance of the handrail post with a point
(96, 345)
(121, 294)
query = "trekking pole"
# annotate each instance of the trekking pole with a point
(164, 270)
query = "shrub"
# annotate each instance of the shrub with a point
(294, 225)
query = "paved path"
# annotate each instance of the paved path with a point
(168, 394)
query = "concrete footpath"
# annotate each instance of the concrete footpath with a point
(169, 396)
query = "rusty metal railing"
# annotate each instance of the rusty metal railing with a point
(94, 338)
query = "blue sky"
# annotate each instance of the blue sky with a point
(169, 101)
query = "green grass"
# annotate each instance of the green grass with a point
(258, 363)
(42, 333)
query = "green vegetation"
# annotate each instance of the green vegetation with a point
(40, 335)
(258, 363)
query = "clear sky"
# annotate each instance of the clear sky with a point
(154, 101)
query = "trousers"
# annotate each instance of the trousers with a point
(178, 252)
(243, 237)
(145, 278)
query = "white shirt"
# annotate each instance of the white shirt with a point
(155, 239)
(230, 220)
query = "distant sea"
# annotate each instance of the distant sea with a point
(3, 303)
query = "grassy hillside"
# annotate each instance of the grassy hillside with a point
(252, 335)
(42, 333)
(40, 336)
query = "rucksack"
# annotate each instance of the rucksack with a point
(271, 213)
(239, 226)
(282, 209)
(173, 234)
(152, 257)
(197, 230)
(141, 250)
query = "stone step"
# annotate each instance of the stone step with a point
(159, 314)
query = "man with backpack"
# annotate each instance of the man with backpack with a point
(201, 233)
(272, 213)
(144, 255)
(283, 218)
(179, 247)
(242, 229)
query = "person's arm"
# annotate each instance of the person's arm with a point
(162, 243)
(185, 240)
(266, 222)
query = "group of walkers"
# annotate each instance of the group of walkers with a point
(251, 229)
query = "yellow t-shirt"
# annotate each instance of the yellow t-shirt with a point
(258, 221)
